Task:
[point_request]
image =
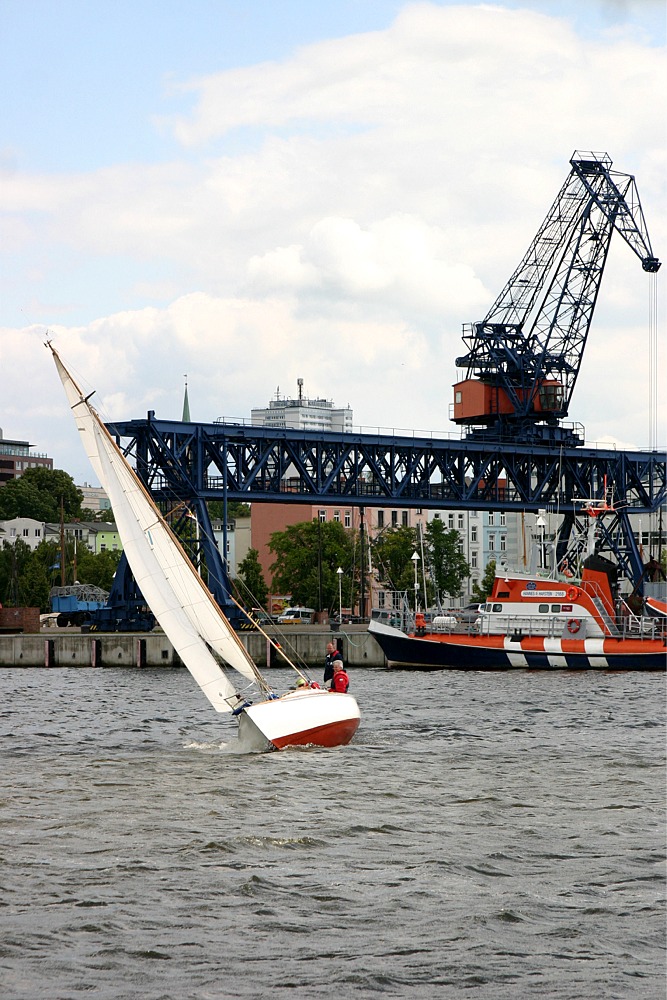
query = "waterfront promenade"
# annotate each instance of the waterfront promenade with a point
(73, 648)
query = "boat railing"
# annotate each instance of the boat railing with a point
(555, 627)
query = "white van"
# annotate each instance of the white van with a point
(296, 616)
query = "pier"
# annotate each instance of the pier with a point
(73, 648)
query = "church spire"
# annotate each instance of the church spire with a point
(186, 403)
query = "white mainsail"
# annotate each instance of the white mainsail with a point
(169, 582)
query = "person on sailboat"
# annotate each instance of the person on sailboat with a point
(333, 653)
(340, 681)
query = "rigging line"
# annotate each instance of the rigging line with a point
(653, 360)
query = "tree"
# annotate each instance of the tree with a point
(34, 586)
(235, 509)
(447, 564)
(38, 493)
(481, 592)
(99, 569)
(253, 588)
(392, 557)
(307, 557)
(14, 558)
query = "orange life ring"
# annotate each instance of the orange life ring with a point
(572, 593)
(573, 625)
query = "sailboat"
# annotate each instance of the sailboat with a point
(191, 619)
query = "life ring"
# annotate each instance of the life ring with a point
(573, 625)
(572, 593)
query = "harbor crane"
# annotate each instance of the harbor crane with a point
(521, 366)
(524, 357)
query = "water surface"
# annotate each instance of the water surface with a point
(490, 835)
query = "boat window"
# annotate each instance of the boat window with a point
(497, 608)
(543, 609)
(555, 609)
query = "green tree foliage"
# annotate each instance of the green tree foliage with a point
(481, 592)
(97, 569)
(447, 565)
(34, 586)
(307, 557)
(253, 589)
(235, 508)
(14, 559)
(37, 494)
(105, 515)
(26, 577)
(392, 555)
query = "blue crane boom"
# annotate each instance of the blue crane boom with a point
(524, 357)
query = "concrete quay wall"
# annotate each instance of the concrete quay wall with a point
(69, 648)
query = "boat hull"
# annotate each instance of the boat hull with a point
(500, 652)
(301, 718)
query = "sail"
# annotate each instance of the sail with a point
(173, 589)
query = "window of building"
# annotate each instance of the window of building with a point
(348, 519)
(450, 521)
(503, 543)
(492, 543)
(394, 518)
(404, 518)
(381, 598)
(461, 522)
(26, 532)
(473, 559)
(322, 515)
(337, 515)
(436, 517)
(503, 518)
(38, 532)
(473, 533)
(492, 517)
(380, 519)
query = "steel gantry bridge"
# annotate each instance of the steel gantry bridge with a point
(522, 363)
(190, 464)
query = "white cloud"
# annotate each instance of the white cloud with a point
(336, 216)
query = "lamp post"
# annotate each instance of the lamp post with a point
(415, 560)
(340, 593)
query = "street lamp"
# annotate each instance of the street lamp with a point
(340, 593)
(415, 559)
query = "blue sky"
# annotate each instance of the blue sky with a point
(254, 192)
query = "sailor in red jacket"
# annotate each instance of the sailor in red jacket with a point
(341, 681)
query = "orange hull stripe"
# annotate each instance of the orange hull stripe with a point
(332, 735)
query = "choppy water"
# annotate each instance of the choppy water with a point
(486, 835)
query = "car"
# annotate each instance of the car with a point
(469, 614)
(296, 616)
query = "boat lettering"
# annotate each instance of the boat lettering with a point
(557, 594)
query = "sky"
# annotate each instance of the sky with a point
(248, 193)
